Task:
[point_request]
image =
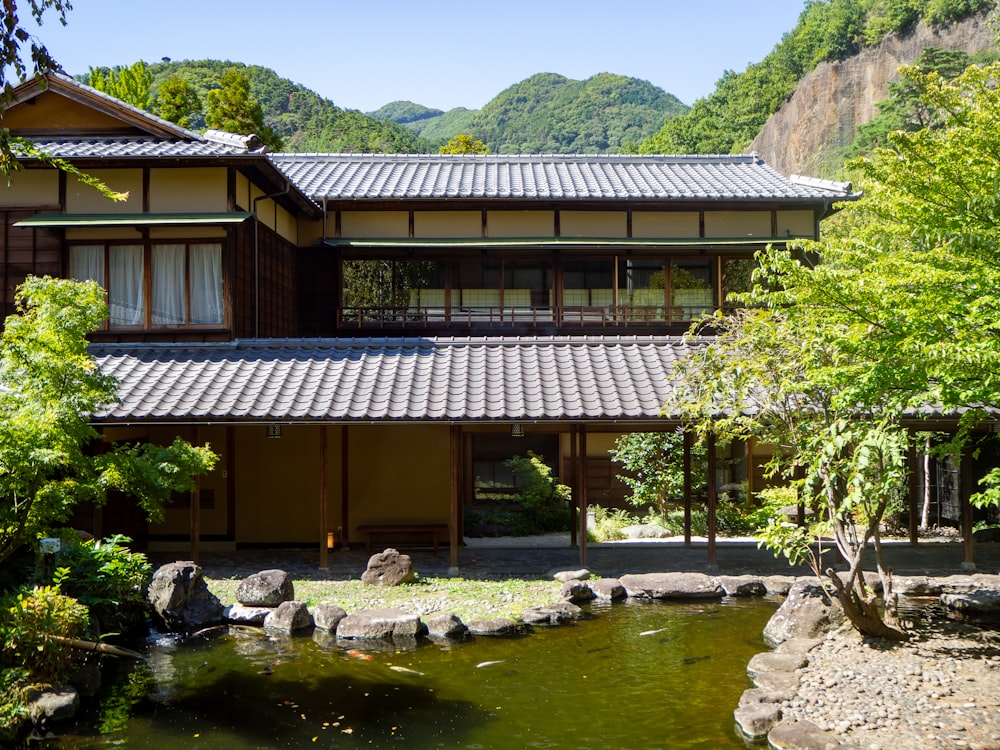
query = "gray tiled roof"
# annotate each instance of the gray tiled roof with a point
(395, 379)
(415, 176)
(116, 148)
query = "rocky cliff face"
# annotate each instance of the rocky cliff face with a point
(835, 98)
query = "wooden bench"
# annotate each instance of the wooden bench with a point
(430, 531)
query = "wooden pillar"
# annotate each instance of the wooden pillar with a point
(688, 441)
(195, 517)
(913, 520)
(582, 502)
(324, 546)
(230, 477)
(712, 489)
(345, 485)
(966, 488)
(574, 482)
(454, 465)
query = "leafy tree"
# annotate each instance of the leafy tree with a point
(177, 101)
(464, 144)
(900, 311)
(131, 84)
(38, 60)
(50, 387)
(654, 468)
(231, 108)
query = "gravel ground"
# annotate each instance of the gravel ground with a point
(939, 690)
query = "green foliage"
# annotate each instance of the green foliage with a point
(405, 112)
(117, 701)
(544, 502)
(728, 119)
(108, 578)
(608, 523)
(28, 621)
(177, 101)
(13, 701)
(549, 113)
(302, 119)
(132, 84)
(654, 466)
(464, 144)
(50, 386)
(233, 109)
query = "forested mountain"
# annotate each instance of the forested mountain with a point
(549, 113)
(304, 120)
(730, 118)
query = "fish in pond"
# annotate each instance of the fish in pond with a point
(405, 670)
(693, 659)
(482, 664)
(355, 654)
(651, 632)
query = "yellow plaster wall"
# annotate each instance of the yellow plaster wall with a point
(399, 473)
(83, 199)
(50, 112)
(32, 187)
(277, 484)
(520, 223)
(447, 224)
(188, 189)
(593, 224)
(242, 192)
(796, 224)
(373, 224)
(662, 224)
(737, 223)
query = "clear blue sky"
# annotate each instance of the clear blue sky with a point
(439, 53)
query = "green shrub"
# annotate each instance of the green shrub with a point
(13, 705)
(28, 620)
(108, 577)
(608, 523)
(544, 501)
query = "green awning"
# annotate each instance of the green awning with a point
(132, 220)
(548, 242)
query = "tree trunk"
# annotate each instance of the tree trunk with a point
(925, 512)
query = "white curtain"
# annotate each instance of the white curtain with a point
(86, 263)
(125, 285)
(168, 285)
(206, 283)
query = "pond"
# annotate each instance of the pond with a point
(634, 676)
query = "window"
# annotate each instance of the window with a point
(155, 286)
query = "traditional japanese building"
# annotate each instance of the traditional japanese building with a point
(365, 339)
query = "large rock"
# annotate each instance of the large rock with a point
(804, 735)
(552, 614)
(240, 614)
(180, 598)
(578, 592)
(743, 585)
(672, 586)
(289, 617)
(388, 568)
(807, 612)
(494, 626)
(607, 589)
(755, 720)
(375, 624)
(327, 617)
(268, 588)
(974, 603)
(59, 704)
(445, 625)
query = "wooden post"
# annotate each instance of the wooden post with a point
(913, 521)
(453, 535)
(966, 486)
(324, 551)
(574, 483)
(582, 502)
(688, 440)
(345, 484)
(195, 517)
(712, 489)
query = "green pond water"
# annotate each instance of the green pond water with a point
(661, 675)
